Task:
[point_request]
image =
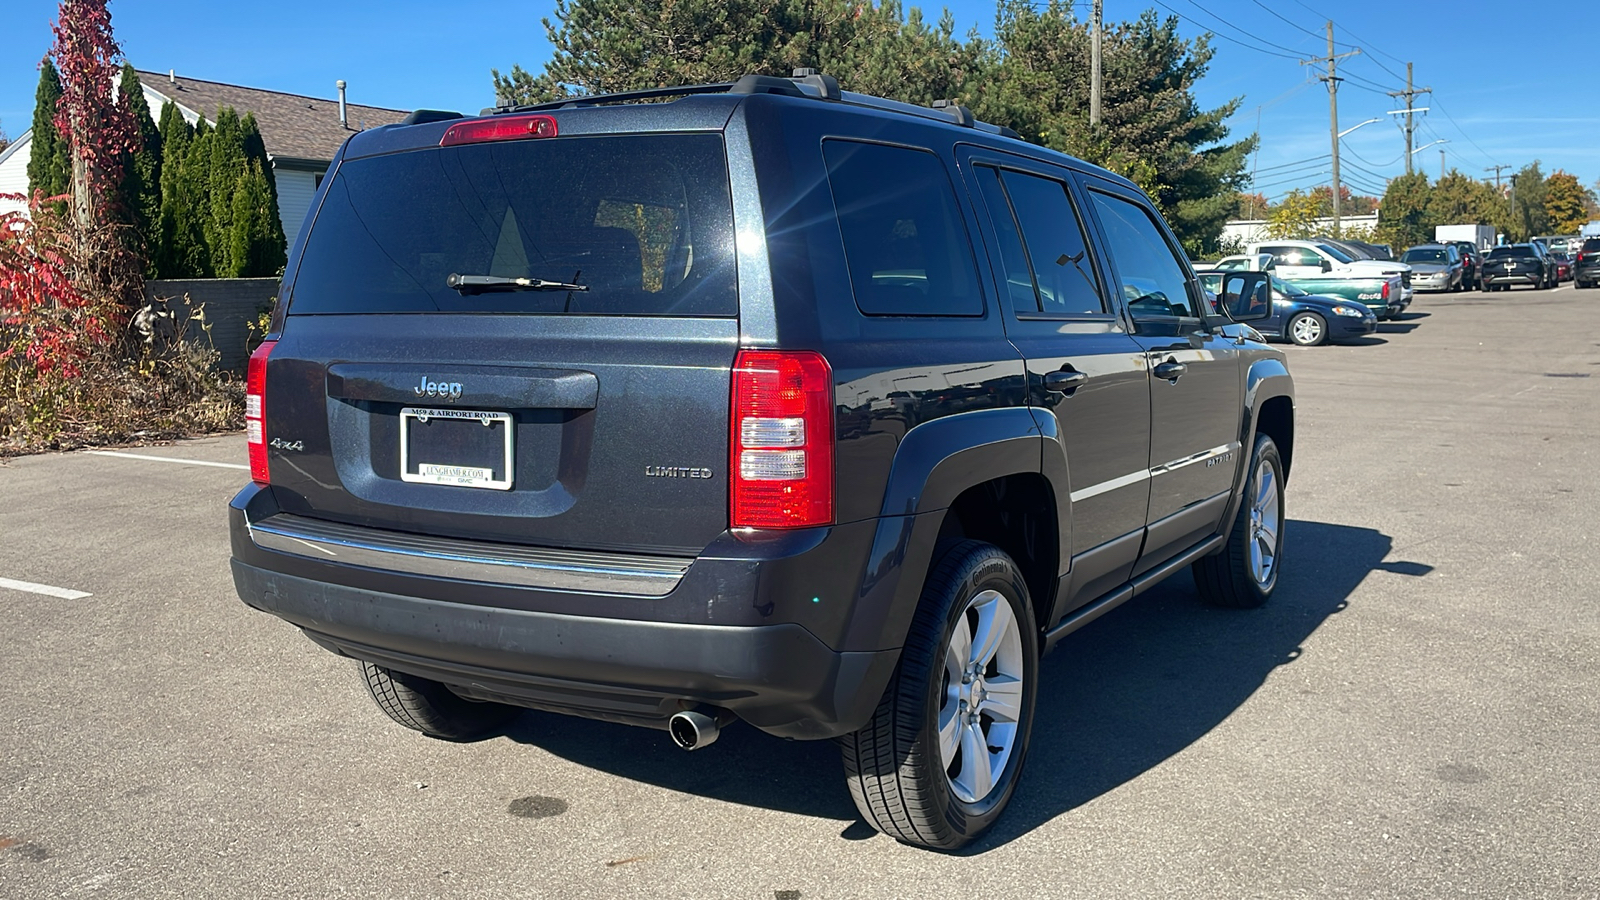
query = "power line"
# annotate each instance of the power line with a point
(1196, 5)
(1290, 23)
(1358, 37)
(1369, 162)
(1225, 37)
(1463, 131)
(1285, 168)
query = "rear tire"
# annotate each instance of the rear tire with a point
(431, 708)
(899, 767)
(1245, 573)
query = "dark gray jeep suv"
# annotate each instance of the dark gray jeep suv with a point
(759, 401)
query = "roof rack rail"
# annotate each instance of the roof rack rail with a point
(804, 82)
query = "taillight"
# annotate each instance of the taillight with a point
(781, 460)
(499, 128)
(255, 412)
(1385, 291)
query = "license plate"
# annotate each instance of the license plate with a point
(456, 447)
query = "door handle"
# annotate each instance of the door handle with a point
(1064, 382)
(1171, 370)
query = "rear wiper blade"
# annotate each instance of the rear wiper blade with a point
(480, 284)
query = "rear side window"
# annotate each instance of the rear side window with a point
(904, 241)
(645, 222)
(1047, 264)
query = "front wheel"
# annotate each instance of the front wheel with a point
(1307, 329)
(1245, 573)
(941, 756)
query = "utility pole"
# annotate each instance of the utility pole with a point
(1094, 65)
(1441, 163)
(1410, 94)
(1496, 170)
(1333, 79)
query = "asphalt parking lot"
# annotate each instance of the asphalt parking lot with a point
(1417, 713)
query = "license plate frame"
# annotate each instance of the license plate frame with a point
(449, 474)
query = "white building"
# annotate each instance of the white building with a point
(301, 133)
(1250, 231)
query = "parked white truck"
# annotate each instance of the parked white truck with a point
(1313, 259)
(1480, 236)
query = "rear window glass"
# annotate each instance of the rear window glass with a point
(1519, 250)
(1424, 256)
(904, 241)
(1590, 244)
(645, 222)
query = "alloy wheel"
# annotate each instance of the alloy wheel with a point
(1266, 520)
(1307, 330)
(981, 704)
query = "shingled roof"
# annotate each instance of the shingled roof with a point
(292, 126)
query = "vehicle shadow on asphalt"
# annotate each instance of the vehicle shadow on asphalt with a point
(1115, 699)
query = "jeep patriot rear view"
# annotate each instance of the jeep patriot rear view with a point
(758, 401)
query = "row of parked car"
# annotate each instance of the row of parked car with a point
(1326, 290)
(1544, 262)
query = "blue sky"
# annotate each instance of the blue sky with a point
(1493, 103)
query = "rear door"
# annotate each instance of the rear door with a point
(1195, 390)
(594, 416)
(1084, 370)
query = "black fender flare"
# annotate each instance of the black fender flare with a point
(1265, 380)
(934, 463)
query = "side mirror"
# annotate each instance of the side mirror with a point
(1327, 266)
(1246, 296)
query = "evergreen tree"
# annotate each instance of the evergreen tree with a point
(255, 241)
(50, 157)
(185, 207)
(255, 150)
(1403, 218)
(140, 200)
(1564, 203)
(175, 247)
(223, 165)
(603, 46)
(4, 141)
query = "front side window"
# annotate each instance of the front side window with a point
(904, 242)
(1154, 283)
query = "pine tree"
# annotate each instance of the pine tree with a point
(50, 160)
(140, 200)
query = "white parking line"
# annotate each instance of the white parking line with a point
(168, 459)
(47, 590)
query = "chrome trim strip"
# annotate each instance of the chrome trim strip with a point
(507, 564)
(1095, 490)
(1202, 456)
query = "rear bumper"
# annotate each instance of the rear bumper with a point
(719, 638)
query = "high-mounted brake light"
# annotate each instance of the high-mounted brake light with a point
(781, 461)
(255, 412)
(499, 128)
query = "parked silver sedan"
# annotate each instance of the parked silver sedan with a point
(1435, 267)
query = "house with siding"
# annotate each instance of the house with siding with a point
(301, 133)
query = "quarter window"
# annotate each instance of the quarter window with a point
(1154, 283)
(904, 241)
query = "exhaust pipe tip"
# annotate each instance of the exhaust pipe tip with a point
(692, 730)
